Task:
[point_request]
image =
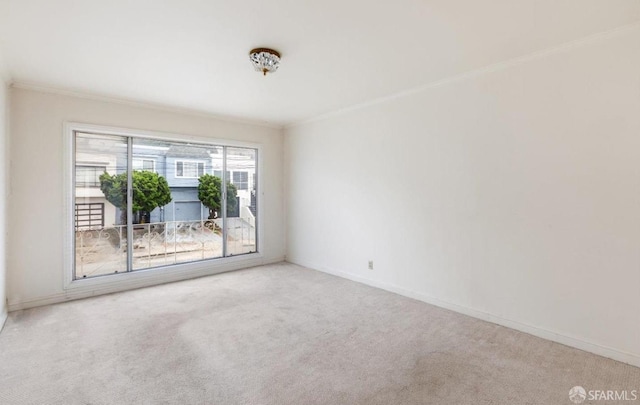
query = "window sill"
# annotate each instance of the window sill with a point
(159, 275)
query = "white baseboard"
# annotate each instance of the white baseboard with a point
(141, 280)
(567, 340)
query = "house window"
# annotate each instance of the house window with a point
(241, 180)
(218, 173)
(137, 218)
(89, 176)
(147, 165)
(190, 170)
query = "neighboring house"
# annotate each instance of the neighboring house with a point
(180, 165)
(241, 172)
(92, 208)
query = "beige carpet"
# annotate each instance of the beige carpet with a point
(282, 334)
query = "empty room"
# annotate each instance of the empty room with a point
(319, 202)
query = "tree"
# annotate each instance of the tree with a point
(210, 194)
(150, 191)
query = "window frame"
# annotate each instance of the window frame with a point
(128, 280)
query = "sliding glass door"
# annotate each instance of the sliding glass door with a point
(177, 202)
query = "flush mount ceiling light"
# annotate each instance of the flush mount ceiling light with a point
(265, 60)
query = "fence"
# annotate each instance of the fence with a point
(103, 250)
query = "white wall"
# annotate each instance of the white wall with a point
(35, 248)
(511, 194)
(4, 177)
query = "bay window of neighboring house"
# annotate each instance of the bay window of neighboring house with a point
(189, 169)
(148, 165)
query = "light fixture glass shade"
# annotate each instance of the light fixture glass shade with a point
(265, 60)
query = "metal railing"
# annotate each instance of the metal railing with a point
(102, 251)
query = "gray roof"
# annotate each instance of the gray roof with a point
(186, 151)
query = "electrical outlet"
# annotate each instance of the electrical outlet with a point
(370, 264)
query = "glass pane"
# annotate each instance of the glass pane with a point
(99, 194)
(241, 201)
(171, 223)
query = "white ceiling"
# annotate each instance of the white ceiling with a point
(194, 53)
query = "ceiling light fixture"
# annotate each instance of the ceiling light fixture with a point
(265, 60)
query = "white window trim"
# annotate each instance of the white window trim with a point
(183, 161)
(159, 275)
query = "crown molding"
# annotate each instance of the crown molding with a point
(495, 67)
(42, 88)
(507, 64)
